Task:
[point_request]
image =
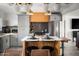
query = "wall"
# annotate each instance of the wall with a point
(67, 20)
(68, 13)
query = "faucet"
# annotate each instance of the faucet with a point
(33, 36)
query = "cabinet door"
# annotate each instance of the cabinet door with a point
(56, 17)
(1, 44)
(14, 40)
(5, 42)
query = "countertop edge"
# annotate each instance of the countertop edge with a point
(6, 34)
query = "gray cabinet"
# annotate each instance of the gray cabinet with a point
(13, 41)
(1, 44)
(8, 41)
(56, 16)
(4, 43)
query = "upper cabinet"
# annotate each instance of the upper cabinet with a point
(55, 17)
(39, 17)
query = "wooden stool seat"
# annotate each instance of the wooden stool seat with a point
(30, 48)
(13, 52)
(40, 52)
(51, 49)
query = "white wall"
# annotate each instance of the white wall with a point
(68, 31)
(67, 26)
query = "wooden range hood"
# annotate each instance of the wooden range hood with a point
(39, 17)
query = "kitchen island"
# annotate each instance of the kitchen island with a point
(41, 42)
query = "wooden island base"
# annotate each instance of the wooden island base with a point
(40, 44)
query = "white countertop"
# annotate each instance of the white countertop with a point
(41, 39)
(6, 34)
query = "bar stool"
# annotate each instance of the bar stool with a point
(51, 49)
(12, 52)
(30, 48)
(40, 52)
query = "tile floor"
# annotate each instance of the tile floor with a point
(71, 49)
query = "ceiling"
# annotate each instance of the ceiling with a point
(10, 8)
(68, 8)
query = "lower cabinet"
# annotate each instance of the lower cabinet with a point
(4, 43)
(8, 41)
(13, 41)
(1, 44)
